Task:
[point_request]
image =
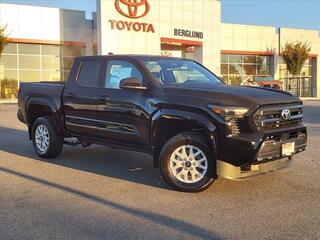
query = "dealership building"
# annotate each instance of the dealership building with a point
(43, 42)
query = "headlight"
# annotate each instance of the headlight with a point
(231, 115)
(228, 113)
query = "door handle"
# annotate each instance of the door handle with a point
(70, 95)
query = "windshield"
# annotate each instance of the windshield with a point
(172, 71)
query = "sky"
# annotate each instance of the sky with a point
(278, 13)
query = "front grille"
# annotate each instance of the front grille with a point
(269, 118)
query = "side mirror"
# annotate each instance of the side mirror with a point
(131, 84)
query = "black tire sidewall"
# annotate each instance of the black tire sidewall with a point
(174, 143)
(55, 141)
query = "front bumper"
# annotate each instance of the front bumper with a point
(264, 154)
(229, 171)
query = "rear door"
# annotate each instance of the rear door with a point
(124, 114)
(80, 97)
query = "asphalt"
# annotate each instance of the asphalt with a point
(103, 193)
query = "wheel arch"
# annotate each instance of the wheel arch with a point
(168, 123)
(39, 107)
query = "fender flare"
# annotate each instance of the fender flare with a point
(47, 104)
(197, 118)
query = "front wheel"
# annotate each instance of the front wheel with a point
(47, 143)
(187, 163)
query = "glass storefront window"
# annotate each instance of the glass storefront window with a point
(235, 58)
(236, 68)
(22, 62)
(250, 69)
(224, 68)
(50, 63)
(72, 51)
(66, 75)
(30, 76)
(29, 62)
(224, 58)
(10, 48)
(8, 61)
(249, 59)
(51, 76)
(29, 49)
(50, 50)
(8, 84)
(263, 69)
(264, 60)
(67, 63)
(299, 86)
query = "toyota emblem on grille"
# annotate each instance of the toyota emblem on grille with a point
(285, 114)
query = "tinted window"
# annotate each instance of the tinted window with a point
(89, 73)
(119, 70)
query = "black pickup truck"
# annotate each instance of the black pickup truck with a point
(195, 127)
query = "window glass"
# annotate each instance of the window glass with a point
(8, 61)
(65, 75)
(181, 72)
(50, 50)
(72, 51)
(30, 76)
(224, 68)
(249, 59)
(263, 69)
(29, 49)
(8, 84)
(224, 58)
(10, 48)
(50, 63)
(51, 76)
(236, 69)
(119, 70)
(68, 62)
(235, 58)
(250, 69)
(29, 62)
(89, 73)
(263, 60)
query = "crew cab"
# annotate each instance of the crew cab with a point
(194, 126)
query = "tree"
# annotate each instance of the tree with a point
(3, 38)
(295, 55)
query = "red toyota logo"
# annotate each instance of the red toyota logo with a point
(132, 8)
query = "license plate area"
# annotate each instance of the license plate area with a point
(288, 149)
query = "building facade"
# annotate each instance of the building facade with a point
(43, 42)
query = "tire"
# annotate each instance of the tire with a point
(191, 172)
(47, 143)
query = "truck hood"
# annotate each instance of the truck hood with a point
(233, 95)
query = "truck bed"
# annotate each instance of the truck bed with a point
(39, 92)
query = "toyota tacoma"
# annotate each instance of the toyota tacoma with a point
(194, 126)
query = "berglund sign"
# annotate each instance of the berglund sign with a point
(133, 9)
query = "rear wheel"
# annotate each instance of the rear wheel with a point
(187, 163)
(47, 143)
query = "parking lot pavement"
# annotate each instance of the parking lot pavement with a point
(103, 193)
